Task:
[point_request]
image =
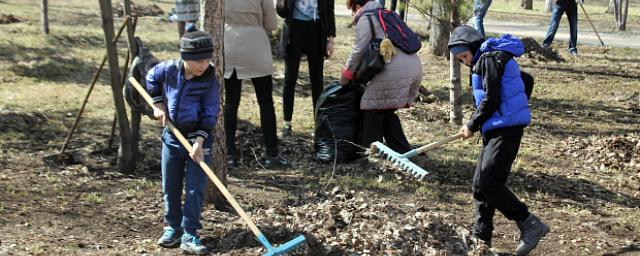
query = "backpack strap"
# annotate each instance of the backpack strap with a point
(373, 30)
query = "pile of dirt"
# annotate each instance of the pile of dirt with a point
(619, 152)
(151, 10)
(20, 121)
(350, 223)
(533, 50)
(10, 18)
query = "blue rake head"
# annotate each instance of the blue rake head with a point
(282, 249)
(399, 160)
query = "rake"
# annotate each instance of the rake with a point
(271, 251)
(402, 161)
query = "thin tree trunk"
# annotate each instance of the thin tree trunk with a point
(625, 14)
(527, 4)
(439, 34)
(548, 6)
(136, 116)
(45, 17)
(212, 20)
(455, 88)
(125, 156)
(611, 7)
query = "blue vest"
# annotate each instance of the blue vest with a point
(514, 107)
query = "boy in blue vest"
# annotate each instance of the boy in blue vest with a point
(501, 115)
(186, 93)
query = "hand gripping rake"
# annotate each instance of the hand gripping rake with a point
(402, 160)
(271, 251)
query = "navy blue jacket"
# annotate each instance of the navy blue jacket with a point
(193, 105)
(498, 88)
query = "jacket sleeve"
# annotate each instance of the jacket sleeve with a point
(269, 22)
(155, 81)
(210, 108)
(363, 37)
(491, 72)
(332, 19)
(283, 9)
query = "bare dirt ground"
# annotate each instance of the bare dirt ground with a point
(578, 168)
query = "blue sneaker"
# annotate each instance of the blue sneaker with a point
(170, 238)
(192, 245)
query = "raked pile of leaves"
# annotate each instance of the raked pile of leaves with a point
(350, 223)
(619, 152)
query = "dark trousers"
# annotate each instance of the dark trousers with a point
(306, 37)
(384, 124)
(490, 192)
(556, 15)
(232, 91)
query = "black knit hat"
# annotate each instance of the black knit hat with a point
(196, 45)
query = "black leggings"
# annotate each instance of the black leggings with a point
(263, 87)
(306, 37)
(384, 124)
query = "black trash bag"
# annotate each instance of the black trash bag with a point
(338, 124)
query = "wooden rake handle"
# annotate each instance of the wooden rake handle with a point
(438, 143)
(202, 163)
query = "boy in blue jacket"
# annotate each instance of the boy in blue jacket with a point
(185, 92)
(501, 115)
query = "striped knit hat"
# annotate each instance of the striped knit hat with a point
(196, 45)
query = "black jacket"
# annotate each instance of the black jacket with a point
(568, 5)
(327, 22)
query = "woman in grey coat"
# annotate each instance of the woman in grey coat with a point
(395, 87)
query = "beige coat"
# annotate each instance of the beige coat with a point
(398, 84)
(246, 44)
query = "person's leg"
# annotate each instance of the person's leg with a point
(172, 167)
(232, 93)
(556, 15)
(195, 187)
(394, 3)
(393, 133)
(484, 212)
(263, 87)
(315, 57)
(572, 16)
(499, 154)
(481, 7)
(291, 68)
(372, 127)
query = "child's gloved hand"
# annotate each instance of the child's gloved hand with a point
(466, 132)
(197, 154)
(159, 111)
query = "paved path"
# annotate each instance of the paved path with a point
(522, 29)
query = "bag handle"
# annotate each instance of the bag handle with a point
(373, 30)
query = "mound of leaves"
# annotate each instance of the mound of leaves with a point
(619, 152)
(10, 18)
(533, 50)
(151, 10)
(350, 223)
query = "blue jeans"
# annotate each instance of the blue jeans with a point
(480, 9)
(556, 15)
(177, 169)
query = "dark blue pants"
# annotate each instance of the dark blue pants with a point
(180, 171)
(556, 15)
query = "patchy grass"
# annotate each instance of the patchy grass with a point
(43, 80)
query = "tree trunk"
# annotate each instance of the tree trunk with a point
(548, 6)
(125, 156)
(439, 34)
(136, 116)
(212, 20)
(455, 88)
(611, 7)
(527, 4)
(45, 17)
(623, 19)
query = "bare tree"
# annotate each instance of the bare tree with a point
(439, 34)
(125, 155)
(455, 87)
(212, 21)
(45, 16)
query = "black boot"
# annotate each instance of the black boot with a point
(532, 230)
(272, 162)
